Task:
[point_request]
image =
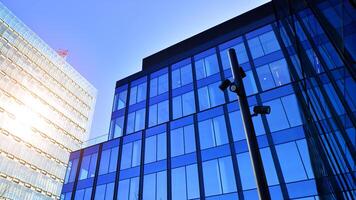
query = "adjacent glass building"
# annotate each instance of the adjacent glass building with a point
(175, 135)
(45, 113)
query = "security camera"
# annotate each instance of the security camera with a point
(262, 110)
(225, 84)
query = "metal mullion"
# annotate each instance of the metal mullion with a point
(271, 144)
(196, 133)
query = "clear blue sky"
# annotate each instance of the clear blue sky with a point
(107, 39)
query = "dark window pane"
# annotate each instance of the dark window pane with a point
(292, 110)
(176, 79)
(117, 126)
(126, 156)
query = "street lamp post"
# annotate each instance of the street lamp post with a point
(237, 87)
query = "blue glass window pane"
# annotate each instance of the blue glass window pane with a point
(117, 126)
(87, 195)
(120, 100)
(212, 182)
(176, 80)
(269, 42)
(291, 163)
(130, 123)
(186, 74)
(149, 187)
(249, 83)
(161, 186)
(113, 159)
(163, 83)
(237, 128)
(150, 149)
(192, 181)
(227, 175)
(204, 100)
(123, 191)
(246, 173)
(177, 107)
(133, 95)
(188, 103)
(104, 162)
(304, 153)
(141, 92)
(84, 168)
(220, 130)
(92, 165)
(136, 153)
(109, 191)
(211, 65)
(206, 67)
(79, 195)
(280, 72)
(140, 119)
(206, 134)
(162, 112)
(152, 115)
(161, 146)
(71, 171)
(153, 87)
(126, 156)
(200, 69)
(134, 186)
(265, 76)
(255, 47)
(292, 110)
(177, 142)
(189, 139)
(100, 192)
(216, 95)
(179, 189)
(277, 119)
(268, 166)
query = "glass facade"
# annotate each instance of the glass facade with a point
(46, 109)
(189, 142)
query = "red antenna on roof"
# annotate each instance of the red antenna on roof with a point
(63, 53)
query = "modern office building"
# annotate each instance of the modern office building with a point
(175, 135)
(46, 109)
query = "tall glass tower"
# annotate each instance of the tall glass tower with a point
(175, 135)
(46, 109)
